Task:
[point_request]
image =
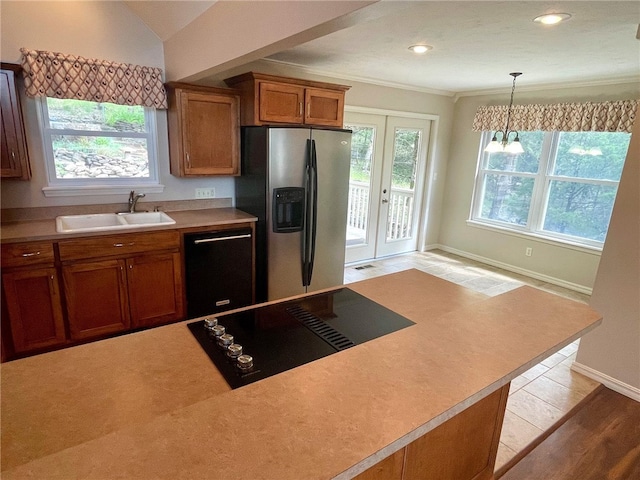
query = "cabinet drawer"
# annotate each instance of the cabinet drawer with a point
(25, 254)
(118, 245)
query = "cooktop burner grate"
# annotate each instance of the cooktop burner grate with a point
(326, 332)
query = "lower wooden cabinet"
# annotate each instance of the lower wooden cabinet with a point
(155, 289)
(78, 289)
(97, 299)
(32, 302)
(115, 295)
(462, 448)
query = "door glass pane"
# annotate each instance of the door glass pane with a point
(407, 143)
(362, 149)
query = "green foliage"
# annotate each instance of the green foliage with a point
(362, 141)
(405, 161)
(97, 115)
(114, 114)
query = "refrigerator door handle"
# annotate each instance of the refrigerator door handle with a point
(306, 243)
(314, 209)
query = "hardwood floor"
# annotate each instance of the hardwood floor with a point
(601, 441)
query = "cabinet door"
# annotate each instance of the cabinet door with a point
(281, 103)
(15, 162)
(324, 107)
(155, 289)
(210, 133)
(464, 447)
(97, 300)
(32, 300)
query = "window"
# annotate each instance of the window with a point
(97, 147)
(563, 187)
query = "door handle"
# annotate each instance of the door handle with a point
(384, 200)
(220, 239)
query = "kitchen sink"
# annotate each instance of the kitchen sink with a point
(110, 221)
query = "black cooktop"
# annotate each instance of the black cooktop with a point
(267, 340)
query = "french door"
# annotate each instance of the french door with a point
(386, 184)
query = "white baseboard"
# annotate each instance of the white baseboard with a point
(614, 384)
(522, 271)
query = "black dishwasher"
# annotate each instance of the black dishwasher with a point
(219, 271)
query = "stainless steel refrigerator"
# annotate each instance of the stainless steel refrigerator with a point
(296, 181)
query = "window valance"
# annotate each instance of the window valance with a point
(56, 75)
(564, 117)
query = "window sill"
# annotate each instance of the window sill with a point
(78, 191)
(592, 250)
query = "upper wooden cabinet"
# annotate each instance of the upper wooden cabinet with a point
(269, 99)
(204, 130)
(15, 159)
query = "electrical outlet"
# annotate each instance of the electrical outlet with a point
(206, 192)
(528, 251)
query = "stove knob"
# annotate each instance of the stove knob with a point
(218, 330)
(209, 323)
(245, 362)
(234, 350)
(225, 340)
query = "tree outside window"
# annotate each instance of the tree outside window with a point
(563, 186)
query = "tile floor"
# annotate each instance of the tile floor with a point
(539, 396)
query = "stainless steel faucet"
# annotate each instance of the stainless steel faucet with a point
(133, 200)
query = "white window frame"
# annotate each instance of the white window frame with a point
(539, 195)
(63, 187)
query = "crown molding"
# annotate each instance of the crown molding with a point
(355, 78)
(631, 79)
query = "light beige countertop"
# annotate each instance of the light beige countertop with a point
(152, 405)
(35, 230)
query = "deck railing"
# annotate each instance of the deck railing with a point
(400, 210)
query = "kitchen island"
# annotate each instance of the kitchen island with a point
(152, 405)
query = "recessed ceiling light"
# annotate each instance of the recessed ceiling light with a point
(552, 18)
(420, 49)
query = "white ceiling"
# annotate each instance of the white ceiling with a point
(476, 43)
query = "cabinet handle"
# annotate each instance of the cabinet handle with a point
(219, 239)
(130, 267)
(300, 108)
(188, 160)
(13, 154)
(309, 110)
(30, 254)
(130, 244)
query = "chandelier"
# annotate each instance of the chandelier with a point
(515, 147)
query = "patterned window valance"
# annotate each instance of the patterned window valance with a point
(57, 75)
(563, 117)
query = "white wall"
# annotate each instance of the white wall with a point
(105, 30)
(570, 267)
(611, 352)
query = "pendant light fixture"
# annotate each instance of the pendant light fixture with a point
(515, 147)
